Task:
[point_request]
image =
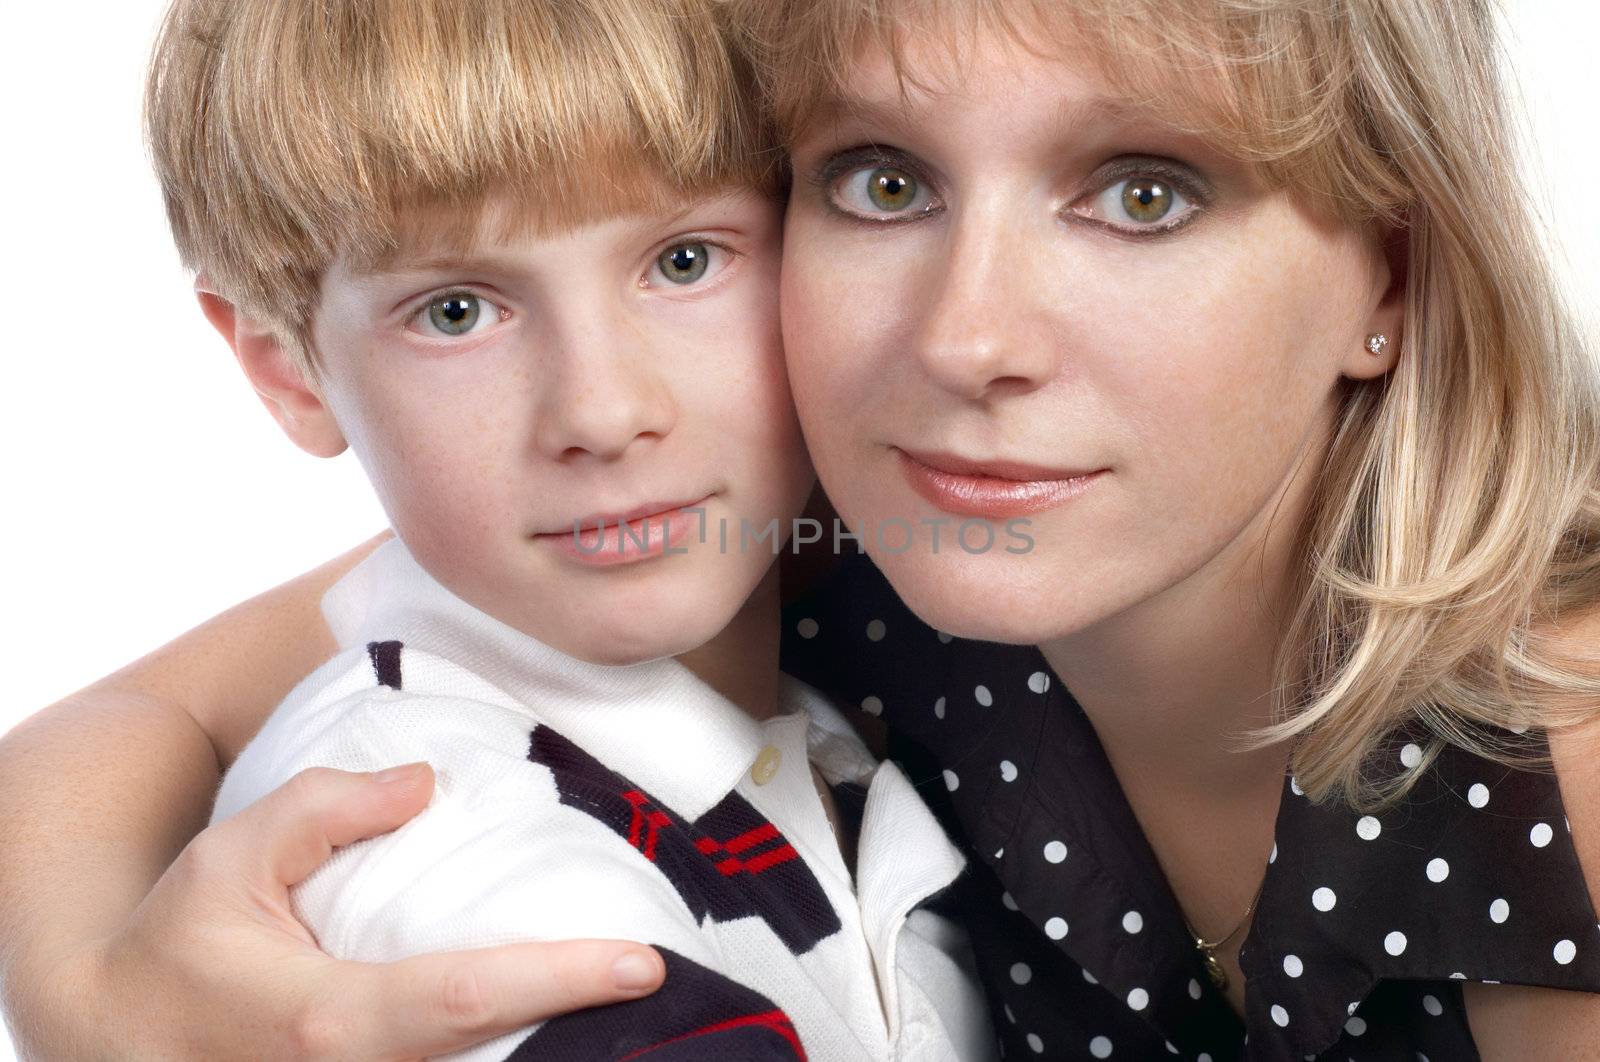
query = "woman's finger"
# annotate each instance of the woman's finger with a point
(432, 1004)
(295, 828)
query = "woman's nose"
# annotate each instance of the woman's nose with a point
(985, 318)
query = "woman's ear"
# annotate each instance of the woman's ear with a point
(293, 401)
(1380, 347)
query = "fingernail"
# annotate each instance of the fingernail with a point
(397, 774)
(634, 972)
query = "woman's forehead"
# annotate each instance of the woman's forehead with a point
(1060, 89)
(1062, 68)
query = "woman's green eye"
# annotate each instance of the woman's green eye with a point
(685, 263)
(891, 189)
(881, 192)
(1142, 205)
(1146, 199)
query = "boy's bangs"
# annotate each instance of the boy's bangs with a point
(323, 126)
(473, 215)
(1268, 82)
(598, 107)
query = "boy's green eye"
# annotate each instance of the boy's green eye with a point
(455, 315)
(685, 263)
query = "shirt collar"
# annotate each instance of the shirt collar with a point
(1053, 824)
(656, 723)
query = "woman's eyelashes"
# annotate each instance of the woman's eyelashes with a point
(1143, 198)
(456, 314)
(1134, 197)
(875, 185)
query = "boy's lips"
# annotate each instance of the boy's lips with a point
(611, 518)
(628, 535)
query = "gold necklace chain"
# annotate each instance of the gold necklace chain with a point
(1208, 948)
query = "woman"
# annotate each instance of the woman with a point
(1237, 304)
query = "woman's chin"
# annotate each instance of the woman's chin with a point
(1023, 604)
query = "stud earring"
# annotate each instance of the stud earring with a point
(1377, 343)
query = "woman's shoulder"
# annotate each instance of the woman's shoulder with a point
(1575, 751)
(1536, 1023)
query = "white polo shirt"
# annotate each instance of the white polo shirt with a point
(583, 800)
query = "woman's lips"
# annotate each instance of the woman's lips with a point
(600, 541)
(994, 490)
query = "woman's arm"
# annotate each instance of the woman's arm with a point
(99, 792)
(107, 951)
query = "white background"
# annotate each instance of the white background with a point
(144, 486)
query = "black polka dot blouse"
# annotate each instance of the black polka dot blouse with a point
(1366, 927)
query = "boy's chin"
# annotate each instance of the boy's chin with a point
(622, 647)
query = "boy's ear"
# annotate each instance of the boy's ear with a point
(294, 403)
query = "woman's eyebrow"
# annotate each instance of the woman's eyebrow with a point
(1073, 114)
(837, 110)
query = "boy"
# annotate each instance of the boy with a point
(521, 257)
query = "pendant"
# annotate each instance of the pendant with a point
(1214, 970)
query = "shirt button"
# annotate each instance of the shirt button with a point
(767, 764)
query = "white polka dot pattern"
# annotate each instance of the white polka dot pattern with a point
(1466, 876)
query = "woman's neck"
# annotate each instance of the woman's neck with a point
(1175, 685)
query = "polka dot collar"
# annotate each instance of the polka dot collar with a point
(1366, 927)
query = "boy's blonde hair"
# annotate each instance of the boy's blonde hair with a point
(286, 132)
(1457, 518)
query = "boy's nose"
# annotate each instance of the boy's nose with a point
(600, 407)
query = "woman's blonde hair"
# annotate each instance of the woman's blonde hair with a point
(1457, 519)
(286, 132)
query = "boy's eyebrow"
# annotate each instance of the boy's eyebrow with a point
(402, 265)
(405, 264)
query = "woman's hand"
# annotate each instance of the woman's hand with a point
(213, 964)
